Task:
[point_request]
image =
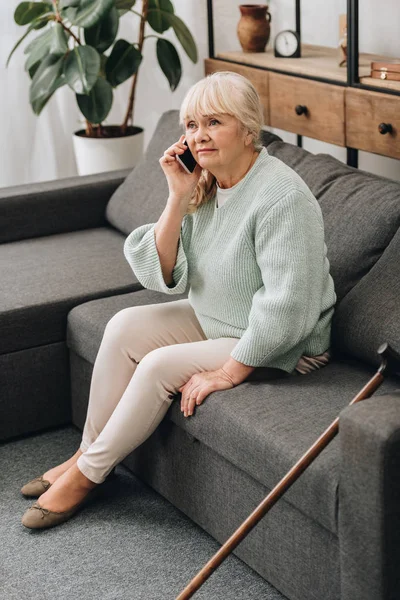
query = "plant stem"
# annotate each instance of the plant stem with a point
(89, 129)
(69, 31)
(129, 112)
(59, 19)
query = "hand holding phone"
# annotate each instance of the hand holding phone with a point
(182, 175)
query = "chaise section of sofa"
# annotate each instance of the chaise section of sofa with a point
(57, 250)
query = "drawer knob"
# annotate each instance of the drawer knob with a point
(301, 109)
(385, 128)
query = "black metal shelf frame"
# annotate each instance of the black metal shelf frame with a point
(353, 79)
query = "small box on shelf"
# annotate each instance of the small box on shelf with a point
(384, 73)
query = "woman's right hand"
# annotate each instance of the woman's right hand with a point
(181, 184)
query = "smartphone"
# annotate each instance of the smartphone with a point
(187, 160)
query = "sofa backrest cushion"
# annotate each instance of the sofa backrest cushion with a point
(370, 313)
(361, 211)
(142, 197)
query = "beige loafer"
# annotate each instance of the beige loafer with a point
(37, 487)
(38, 517)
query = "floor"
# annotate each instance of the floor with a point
(130, 542)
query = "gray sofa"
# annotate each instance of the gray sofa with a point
(335, 535)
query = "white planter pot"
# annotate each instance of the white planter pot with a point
(95, 155)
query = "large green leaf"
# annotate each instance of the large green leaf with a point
(88, 13)
(81, 69)
(96, 106)
(26, 12)
(39, 49)
(63, 4)
(32, 26)
(156, 14)
(184, 36)
(59, 40)
(33, 69)
(124, 4)
(53, 41)
(38, 41)
(41, 22)
(39, 104)
(47, 78)
(103, 34)
(169, 62)
(122, 63)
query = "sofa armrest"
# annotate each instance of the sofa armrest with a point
(369, 498)
(59, 206)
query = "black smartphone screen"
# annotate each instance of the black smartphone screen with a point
(187, 160)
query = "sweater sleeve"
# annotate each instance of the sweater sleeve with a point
(140, 251)
(289, 248)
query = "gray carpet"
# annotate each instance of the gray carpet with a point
(128, 543)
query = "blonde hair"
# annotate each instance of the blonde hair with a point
(223, 92)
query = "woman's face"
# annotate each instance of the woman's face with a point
(216, 140)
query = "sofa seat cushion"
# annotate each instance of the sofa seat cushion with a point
(86, 322)
(43, 278)
(262, 427)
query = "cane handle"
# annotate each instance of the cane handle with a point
(389, 357)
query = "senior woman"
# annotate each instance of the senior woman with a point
(246, 234)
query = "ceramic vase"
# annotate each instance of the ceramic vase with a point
(254, 27)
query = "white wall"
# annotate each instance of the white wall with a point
(40, 148)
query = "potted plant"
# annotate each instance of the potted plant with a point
(71, 51)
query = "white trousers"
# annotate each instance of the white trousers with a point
(147, 353)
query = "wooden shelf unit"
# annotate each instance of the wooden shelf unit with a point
(374, 128)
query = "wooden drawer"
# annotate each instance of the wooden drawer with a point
(324, 119)
(365, 111)
(258, 78)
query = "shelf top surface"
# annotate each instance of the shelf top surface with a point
(315, 61)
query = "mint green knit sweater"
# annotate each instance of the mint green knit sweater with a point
(256, 267)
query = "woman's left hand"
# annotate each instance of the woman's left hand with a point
(200, 385)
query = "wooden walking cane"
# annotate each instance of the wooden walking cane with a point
(390, 360)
